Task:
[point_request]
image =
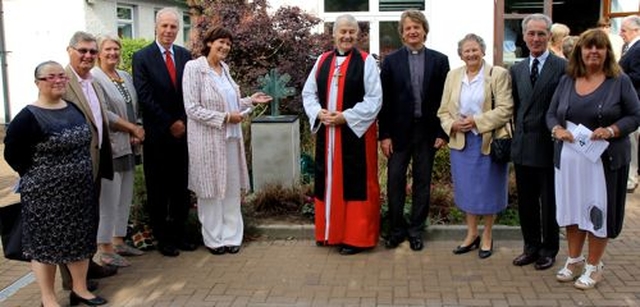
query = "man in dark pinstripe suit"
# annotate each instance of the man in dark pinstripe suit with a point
(534, 82)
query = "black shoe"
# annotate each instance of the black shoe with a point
(187, 246)
(393, 242)
(218, 250)
(75, 300)
(485, 253)
(350, 250)
(168, 250)
(234, 249)
(97, 271)
(416, 243)
(465, 249)
(525, 259)
(321, 243)
(544, 263)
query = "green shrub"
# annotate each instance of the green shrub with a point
(129, 46)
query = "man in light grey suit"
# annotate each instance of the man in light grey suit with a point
(534, 82)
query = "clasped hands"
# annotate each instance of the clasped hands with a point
(463, 124)
(600, 133)
(331, 118)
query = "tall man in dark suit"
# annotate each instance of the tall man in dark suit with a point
(412, 84)
(534, 82)
(157, 76)
(630, 63)
(88, 96)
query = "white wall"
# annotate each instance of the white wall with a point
(36, 31)
(39, 30)
(448, 22)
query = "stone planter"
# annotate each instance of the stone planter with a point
(275, 147)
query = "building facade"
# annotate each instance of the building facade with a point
(39, 30)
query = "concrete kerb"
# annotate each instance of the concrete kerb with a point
(435, 232)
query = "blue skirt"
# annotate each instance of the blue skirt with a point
(479, 184)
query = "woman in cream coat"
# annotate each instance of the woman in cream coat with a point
(466, 115)
(217, 165)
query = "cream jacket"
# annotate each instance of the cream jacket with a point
(495, 78)
(206, 133)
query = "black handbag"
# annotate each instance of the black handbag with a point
(11, 229)
(500, 145)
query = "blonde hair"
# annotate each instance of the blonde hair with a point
(558, 33)
(107, 38)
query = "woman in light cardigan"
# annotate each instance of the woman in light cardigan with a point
(217, 165)
(121, 103)
(467, 116)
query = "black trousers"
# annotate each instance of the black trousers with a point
(420, 153)
(537, 210)
(166, 176)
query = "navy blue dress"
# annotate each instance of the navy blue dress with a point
(49, 148)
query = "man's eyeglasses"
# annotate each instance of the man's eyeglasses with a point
(85, 50)
(54, 78)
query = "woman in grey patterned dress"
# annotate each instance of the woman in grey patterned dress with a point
(47, 143)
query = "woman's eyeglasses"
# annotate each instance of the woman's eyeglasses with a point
(54, 78)
(85, 50)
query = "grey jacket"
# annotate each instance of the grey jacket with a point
(620, 107)
(115, 107)
(532, 144)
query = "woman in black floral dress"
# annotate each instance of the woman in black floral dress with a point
(47, 143)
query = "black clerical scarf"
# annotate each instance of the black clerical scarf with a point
(350, 92)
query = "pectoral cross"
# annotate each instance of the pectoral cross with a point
(337, 76)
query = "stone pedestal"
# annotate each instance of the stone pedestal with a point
(275, 148)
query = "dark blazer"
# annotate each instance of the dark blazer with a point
(395, 119)
(100, 155)
(620, 107)
(630, 63)
(162, 104)
(532, 144)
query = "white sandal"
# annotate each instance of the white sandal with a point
(572, 269)
(591, 277)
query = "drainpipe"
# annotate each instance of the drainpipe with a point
(3, 70)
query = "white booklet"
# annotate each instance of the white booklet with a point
(582, 142)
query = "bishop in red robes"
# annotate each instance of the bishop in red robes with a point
(342, 97)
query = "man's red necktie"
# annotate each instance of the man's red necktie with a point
(171, 67)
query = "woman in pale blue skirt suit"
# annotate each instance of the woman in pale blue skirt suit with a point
(467, 115)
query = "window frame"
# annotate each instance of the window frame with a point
(132, 22)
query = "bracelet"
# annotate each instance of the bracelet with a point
(227, 117)
(611, 131)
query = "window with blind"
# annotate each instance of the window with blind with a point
(401, 5)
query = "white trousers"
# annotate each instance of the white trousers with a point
(115, 201)
(221, 219)
(632, 182)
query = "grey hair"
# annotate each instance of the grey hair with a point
(346, 18)
(536, 17)
(166, 10)
(107, 38)
(42, 65)
(81, 36)
(633, 20)
(474, 38)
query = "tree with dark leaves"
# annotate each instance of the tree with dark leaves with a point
(284, 40)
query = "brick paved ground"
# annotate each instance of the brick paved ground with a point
(297, 273)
